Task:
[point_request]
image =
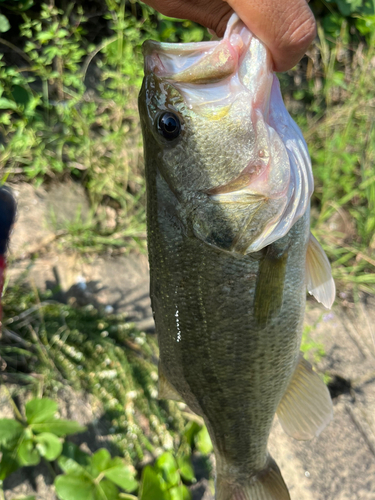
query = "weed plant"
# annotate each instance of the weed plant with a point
(341, 140)
(101, 354)
(46, 347)
(69, 108)
(39, 435)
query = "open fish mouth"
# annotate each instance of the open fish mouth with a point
(202, 62)
(214, 78)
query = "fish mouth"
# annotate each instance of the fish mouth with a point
(198, 63)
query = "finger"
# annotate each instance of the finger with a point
(212, 14)
(286, 27)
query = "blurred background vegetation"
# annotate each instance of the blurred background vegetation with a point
(70, 73)
(69, 78)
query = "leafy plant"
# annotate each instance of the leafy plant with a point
(95, 352)
(163, 481)
(24, 441)
(103, 355)
(196, 435)
(96, 477)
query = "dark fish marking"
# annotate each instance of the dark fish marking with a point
(270, 286)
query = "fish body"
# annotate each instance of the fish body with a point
(228, 187)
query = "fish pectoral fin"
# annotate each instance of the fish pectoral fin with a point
(166, 389)
(267, 484)
(306, 407)
(319, 279)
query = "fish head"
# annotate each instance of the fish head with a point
(210, 115)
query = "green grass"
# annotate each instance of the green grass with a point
(48, 346)
(53, 127)
(338, 124)
(93, 236)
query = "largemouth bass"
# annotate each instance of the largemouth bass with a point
(229, 182)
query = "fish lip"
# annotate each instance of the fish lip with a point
(175, 48)
(184, 48)
(166, 59)
(152, 50)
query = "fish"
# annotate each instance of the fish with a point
(7, 217)
(229, 181)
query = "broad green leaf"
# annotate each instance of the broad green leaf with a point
(70, 466)
(185, 467)
(27, 453)
(70, 487)
(48, 445)
(167, 464)
(150, 486)
(44, 36)
(4, 24)
(122, 476)
(10, 432)
(114, 469)
(20, 95)
(191, 431)
(347, 7)
(40, 410)
(203, 441)
(8, 104)
(186, 495)
(59, 427)
(180, 492)
(62, 33)
(175, 493)
(22, 5)
(100, 461)
(109, 489)
(8, 464)
(70, 450)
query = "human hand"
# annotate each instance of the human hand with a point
(286, 27)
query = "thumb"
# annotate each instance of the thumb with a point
(286, 27)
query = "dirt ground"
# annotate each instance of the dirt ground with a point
(339, 465)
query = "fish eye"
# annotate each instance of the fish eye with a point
(169, 126)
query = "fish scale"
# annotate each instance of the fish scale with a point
(228, 184)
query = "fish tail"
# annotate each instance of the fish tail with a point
(266, 484)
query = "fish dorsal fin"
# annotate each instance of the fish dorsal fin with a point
(306, 407)
(319, 279)
(166, 389)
